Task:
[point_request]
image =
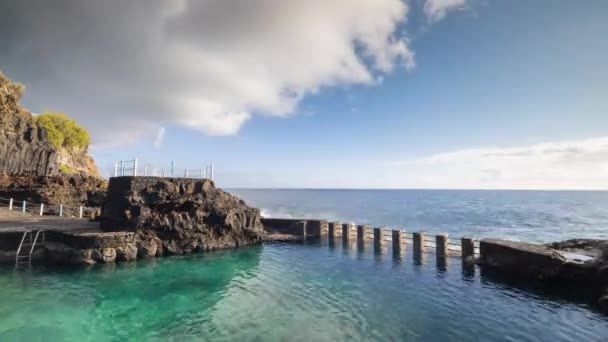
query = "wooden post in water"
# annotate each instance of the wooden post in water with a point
(441, 245)
(418, 238)
(378, 239)
(345, 231)
(361, 231)
(468, 249)
(335, 228)
(323, 228)
(397, 241)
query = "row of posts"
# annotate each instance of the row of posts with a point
(442, 241)
(119, 170)
(24, 208)
(203, 172)
(119, 167)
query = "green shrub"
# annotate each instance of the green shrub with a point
(66, 169)
(63, 131)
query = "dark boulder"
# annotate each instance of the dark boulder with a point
(179, 215)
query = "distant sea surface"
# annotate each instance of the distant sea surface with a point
(536, 216)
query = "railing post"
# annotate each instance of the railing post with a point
(10, 204)
(441, 245)
(397, 240)
(134, 167)
(172, 168)
(468, 248)
(211, 172)
(41, 209)
(186, 173)
(61, 210)
(23, 207)
(80, 214)
(122, 167)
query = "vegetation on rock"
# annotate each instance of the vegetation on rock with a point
(66, 169)
(63, 131)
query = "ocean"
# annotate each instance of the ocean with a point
(534, 216)
(325, 290)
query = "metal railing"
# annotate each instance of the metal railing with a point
(131, 168)
(38, 209)
(203, 172)
(125, 168)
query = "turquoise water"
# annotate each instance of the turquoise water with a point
(287, 292)
(535, 216)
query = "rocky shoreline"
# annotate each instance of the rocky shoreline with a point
(151, 216)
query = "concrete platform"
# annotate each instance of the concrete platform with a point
(18, 222)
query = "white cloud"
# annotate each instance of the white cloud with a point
(160, 137)
(577, 164)
(436, 10)
(208, 65)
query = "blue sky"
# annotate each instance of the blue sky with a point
(490, 78)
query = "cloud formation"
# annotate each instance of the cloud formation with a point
(436, 10)
(126, 68)
(576, 164)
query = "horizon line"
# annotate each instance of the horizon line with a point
(418, 189)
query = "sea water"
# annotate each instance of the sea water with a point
(287, 292)
(325, 291)
(534, 216)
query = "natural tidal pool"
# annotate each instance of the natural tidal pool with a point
(287, 292)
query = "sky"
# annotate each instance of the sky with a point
(443, 94)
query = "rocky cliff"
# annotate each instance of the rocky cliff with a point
(177, 215)
(30, 165)
(24, 147)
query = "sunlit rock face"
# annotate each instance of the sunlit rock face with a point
(178, 215)
(24, 147)
(30, 163)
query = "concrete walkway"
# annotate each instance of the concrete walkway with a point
(15, 221)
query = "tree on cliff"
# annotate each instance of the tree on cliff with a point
(63, 131)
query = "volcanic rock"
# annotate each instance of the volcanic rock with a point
(179, 215)
(30, 163)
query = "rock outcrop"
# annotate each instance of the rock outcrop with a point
(179, 215)
(24, 147)
(70, 190)
(542, 262)
(577, 264)
(30, 163)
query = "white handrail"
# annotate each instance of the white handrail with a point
(130, 168)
